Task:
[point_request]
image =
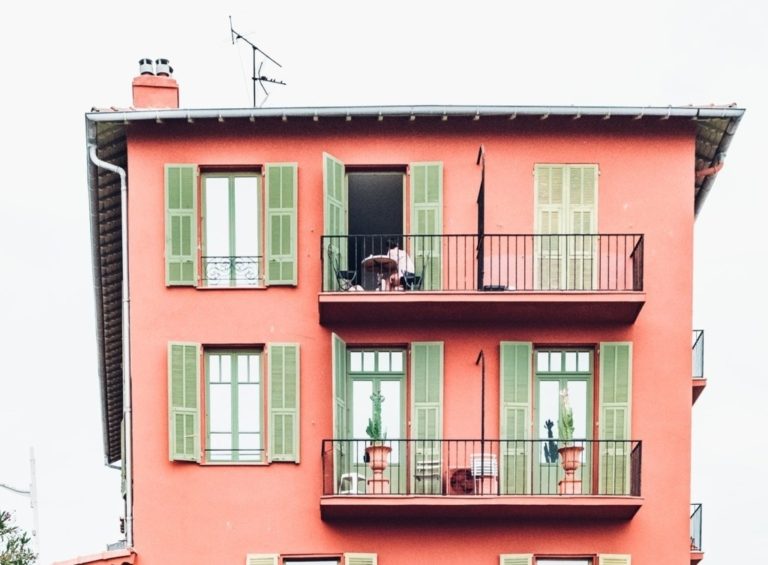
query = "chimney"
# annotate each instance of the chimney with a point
(154, 87)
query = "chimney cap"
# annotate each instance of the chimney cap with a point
(163, 68)
(146, 67)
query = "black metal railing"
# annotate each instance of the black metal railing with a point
(696, 527)
(224, 271)
(491, 262)
(493, 467)
(697, 350)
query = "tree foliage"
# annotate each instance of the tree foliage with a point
(14, 543)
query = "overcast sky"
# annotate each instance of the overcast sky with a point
(60, 59)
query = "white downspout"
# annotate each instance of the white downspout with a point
(127, 411)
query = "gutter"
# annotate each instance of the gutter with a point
(127, 456)
(717, 163)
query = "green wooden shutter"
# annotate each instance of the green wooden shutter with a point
(281, 223)
(283, 401)
(426, 412)
(335, 212)
(184, 401)
(615, 417)
(550, 198)
(426, 221)
(180, 225)
(360, 559)
(261, 559)
(582, 219)
(516, 559)
(339, 379)
(514, 419)
(614, 559)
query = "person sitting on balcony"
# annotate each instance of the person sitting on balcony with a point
(404, 265)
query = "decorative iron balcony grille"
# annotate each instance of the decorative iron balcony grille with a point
(697, 350)
(224, 271)
(491, 262)
(461, 467)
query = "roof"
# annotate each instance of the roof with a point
(106, 131)
(114, 557)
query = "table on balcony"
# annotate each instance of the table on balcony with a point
(383, 266)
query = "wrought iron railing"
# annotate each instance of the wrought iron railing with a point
(491, 262)
(696, 527)
(224, 271)
(697, 350)
(494, 467)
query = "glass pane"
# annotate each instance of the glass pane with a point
(216, 217)
(220, 408)
(248, 413)
(584, 362)
(563, 561)
(397, 361)
(384, 361)
(570, 361)
(219, 447)
(542, 361)
(249, 447)
(242, 368)
(362, 409)
(246, 217)
(254, 366)
(214, 374)
(356, 361)
(577, 394)
(369, 361)
(555, 361)
(390, 408)
(226, 368)
(548, 409)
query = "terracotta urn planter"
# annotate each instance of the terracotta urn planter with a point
(378, 459)
(570, 458)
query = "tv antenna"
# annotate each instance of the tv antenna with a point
(256, 77)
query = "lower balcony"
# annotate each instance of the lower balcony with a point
(481, 479)
(697, 553)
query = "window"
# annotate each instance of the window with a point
(247, 220)
(346, 559)
(245, 399)
(528, 559)
(233, 405)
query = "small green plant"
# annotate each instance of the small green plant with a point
(565, 420)
(374, 428)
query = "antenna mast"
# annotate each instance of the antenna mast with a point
(256, 76)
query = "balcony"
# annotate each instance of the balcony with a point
(697, 554)
(481, 479)
(595, 278)
(698, 382)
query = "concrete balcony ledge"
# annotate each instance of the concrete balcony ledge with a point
(560, 507)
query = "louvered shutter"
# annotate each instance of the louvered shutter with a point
(614, 559)
(360, 559)
(184, 401)
(261, 559)
(514, 419)
(339, 377)
(427, 222)
(516, 559)
(426, 413)
(581, 244)
(549, 216)
(283, 402)
(281, 223)
(615, 418)
(335, 216)
(180, 225)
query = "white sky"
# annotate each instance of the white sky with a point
(61, 59)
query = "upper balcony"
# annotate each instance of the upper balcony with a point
(481, 479)
(698, 382)
(595, 278)
(697, 554)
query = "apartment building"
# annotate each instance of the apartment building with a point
(395, 335)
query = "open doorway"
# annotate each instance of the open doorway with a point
(375, 201)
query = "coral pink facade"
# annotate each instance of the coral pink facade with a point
(211, 512)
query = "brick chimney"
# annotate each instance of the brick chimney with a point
(154, 87)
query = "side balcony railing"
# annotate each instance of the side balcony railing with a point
(696, 513)
(232, 271)
(490, 262)
(697, 350)
(462, 467)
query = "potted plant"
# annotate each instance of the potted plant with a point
(570, 455)
(377, 453)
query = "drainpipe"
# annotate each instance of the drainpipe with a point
(127, 411)
(701, 173)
